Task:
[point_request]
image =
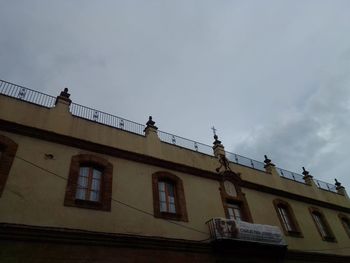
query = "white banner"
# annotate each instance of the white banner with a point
(233, 229)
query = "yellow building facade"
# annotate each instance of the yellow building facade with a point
(81, 185)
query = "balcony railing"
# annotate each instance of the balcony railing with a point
(290, 175)
(25, 94)
(185, 143)
(326, 186)
(239, 159)
(48, 101)
(106, 119)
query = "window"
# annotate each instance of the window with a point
(8, 149)
(287, 219)
(233, 199)
(234, 211)
(168, 197)
(345, 222)
(322, 224)
(90, 183)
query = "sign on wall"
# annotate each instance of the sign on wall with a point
(221, 228)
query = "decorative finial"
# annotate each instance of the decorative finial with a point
(150, 123)
(337, 183)
(267, 160)
(305, 173)
(216, 138)
(268, 163)
(65, 93)
(214, 131)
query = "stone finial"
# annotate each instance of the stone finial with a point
(150, 126)
(267, 161)
(306, 173)
(216, 140)
(63, 98)
(307, 177)
(219, 149)
(150, 123)
(340, 189)
(65, 93)
(337, 183)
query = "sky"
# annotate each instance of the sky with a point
(273, 77)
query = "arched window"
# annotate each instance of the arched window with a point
(322, 224)
(168, 197)
(233, 200)
(287, 218)
(8, 149)
(345, 220)
(90, 183)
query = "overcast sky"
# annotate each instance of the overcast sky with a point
(272, 76)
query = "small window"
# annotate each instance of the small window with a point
(90, 183)
(322, 225)
(234, 211)
(8, 149)
(286, 216)
(345, 222)
(168, 197)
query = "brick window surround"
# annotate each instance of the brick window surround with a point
(345, 220)
(239, 199)
(8, 149)
(103, 165)
(180, 202)
(322, 225)
(287, 218)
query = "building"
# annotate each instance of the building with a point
(79, 185)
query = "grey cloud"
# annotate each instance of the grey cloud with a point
(254, 69)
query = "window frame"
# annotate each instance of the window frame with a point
(329, 236)
(238, 200)
(89, 186)
(8, 152)
(295, 230)
(346, 225)
(179, 195)
(84, 160)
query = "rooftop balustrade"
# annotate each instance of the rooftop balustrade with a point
(48, 101)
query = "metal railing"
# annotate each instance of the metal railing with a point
(326, 186)
(25, 94)
(207, 149)
(185, 143)
(239, 159)
(48, 101)
(290, 175)
(106, 119)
